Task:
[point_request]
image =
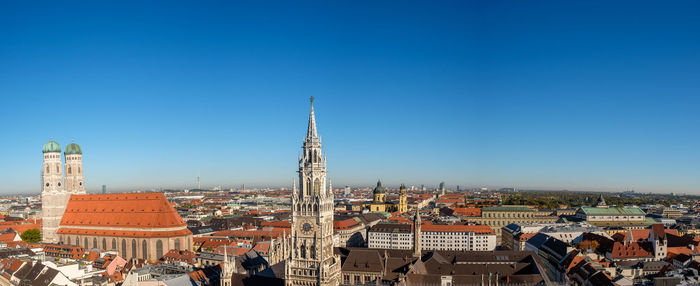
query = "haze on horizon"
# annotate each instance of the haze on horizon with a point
(537, 95)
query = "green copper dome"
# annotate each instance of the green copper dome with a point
(51, 146)
(379, 189)
(73, 148)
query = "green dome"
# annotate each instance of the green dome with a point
(73, 148)
(379, 189)
(51, 146)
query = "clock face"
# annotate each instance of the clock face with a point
(306, 228)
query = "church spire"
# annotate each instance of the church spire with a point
(311, 133)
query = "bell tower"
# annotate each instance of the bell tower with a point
(312, 261)
(53, 201)
(75, 181)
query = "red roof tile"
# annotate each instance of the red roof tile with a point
(132, 210)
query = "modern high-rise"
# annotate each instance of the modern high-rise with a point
(312, 260)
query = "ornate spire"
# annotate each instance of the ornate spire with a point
(311, 133)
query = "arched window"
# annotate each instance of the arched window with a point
(315, 208)
(68, 240)
(133, 248)
(86, 243)
(159, 249)
(315, 156)
(94, 242)
(69, 169)
(308, 187)
(114, 244)
(177, 243)
(144, 248)
(317, 185)
(124, 247)
(104, 243)
(57, 169)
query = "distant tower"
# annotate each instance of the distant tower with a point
(416, 234)
(403, 205)
(379, 193)
(600, 203)
(199, 185)
(441, 188)
(53, 196)
(104, 189)
(312, 260)
(75, 181)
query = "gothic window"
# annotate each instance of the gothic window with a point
(57, 170)
(133, 248)
(86, 243)
(315, 156)
(313, 252)
(124, 247)
(69, 240)
(114, 243)
(69, 169)
(303, 251)
(159, 249)
(315, 208)
(298, 208)
(308, 187)
(317, 185)
(94, 242)
(177, 243)
(104, 243)
(144, 249)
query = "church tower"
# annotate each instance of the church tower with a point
(226, 270)
(53, 201)
(312, 260)
(416, 235)
(403, 204)
(75, 181)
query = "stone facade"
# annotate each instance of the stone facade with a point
(55, 194)
(312, 260)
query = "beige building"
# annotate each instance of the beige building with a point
(498, 217)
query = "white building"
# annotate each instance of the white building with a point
(433, 237)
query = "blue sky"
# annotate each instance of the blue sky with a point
(539, 94)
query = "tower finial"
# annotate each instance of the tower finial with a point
(311, 133)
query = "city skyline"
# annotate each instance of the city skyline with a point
(545, 101)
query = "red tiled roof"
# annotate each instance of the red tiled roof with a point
(467, 211)
(279, 223)
(344, 224)
(479, 229)
(142, 210)
(629, 250)
(262, 247)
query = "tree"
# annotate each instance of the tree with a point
(32, 235)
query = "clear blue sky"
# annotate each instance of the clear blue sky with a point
(585, 95)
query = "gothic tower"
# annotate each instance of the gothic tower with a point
(312, 261)
(403, 204)
(53, 201)
(75, 181)
(226, 270)
(416, 235)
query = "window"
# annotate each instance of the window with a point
(159, 249)
(133, 248)
(144, 249)
(177, 243)
(94, 242)
(114, 243)
(124, 247)
(104, 243)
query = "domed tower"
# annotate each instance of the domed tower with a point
(379, 193)
(75, 181)
(53, 201)
(403, 204)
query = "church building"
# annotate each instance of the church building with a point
(136, 225)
